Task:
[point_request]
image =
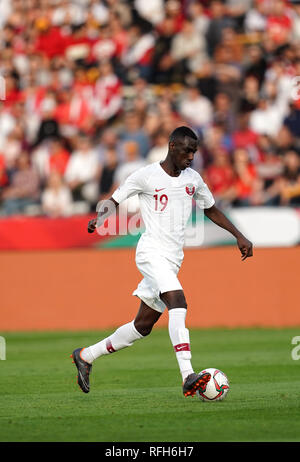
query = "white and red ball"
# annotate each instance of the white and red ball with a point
(217, 387)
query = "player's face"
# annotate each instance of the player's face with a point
(183, 152)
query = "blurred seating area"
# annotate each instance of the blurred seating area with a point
(91, 89)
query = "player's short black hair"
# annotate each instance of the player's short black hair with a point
(181, 132)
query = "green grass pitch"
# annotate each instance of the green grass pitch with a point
(136, 393)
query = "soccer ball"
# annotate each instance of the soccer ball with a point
(217, 387)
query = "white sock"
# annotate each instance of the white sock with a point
(180, 339)
(123, 337)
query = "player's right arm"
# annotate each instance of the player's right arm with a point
(107, 208)
(134, 184)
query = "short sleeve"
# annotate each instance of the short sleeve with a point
(203, 196)
(133, 185)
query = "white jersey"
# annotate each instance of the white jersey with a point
(166, 205)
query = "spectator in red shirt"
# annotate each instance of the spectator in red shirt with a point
(246, 183)
(106, 46)
(139, 54)
(120, 35)
(219, 176)
(174, 15)
(244, 136)
(108, 93)
(73, 112)
(77, 45)
(12, 92)
(59, 156)
(50, 41)
(3, 176)
(279, 24)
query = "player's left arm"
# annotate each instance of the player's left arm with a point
(218, 217)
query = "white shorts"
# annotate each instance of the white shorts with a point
(160, 276)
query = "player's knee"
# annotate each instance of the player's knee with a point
(174, 299)
(177, 305)
(143, 328)
(183, 304)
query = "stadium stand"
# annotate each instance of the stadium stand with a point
(89, 86)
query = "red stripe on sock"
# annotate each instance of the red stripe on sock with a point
(109, 347)
(182, 347)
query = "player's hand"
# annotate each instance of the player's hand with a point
(245, 247)
(92, 225)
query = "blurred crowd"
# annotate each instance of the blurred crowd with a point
(90, 91)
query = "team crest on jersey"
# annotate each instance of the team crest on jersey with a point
(190, 189)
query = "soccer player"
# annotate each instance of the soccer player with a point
(165, 190)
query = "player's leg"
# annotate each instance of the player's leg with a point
(123, 337)
(145, 319)
(179, 335)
